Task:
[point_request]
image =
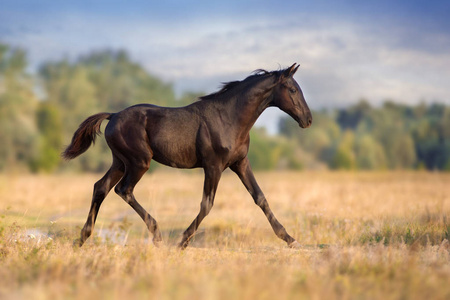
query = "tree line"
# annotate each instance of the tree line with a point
(363, 137)
(40, 112)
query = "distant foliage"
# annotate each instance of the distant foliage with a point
(101, 81)
(50, 126)
(363, 137)
(18, 132)
(34, 132)
(272, 152)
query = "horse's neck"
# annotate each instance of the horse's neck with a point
(252, 103)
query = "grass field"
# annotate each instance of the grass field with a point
(365, 236)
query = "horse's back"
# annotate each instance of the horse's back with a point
(168, 135)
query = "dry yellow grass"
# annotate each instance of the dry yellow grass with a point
(366, 235)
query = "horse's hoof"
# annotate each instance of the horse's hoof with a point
(77, 243)
(183, 245)
(295, 245)
(158, 244)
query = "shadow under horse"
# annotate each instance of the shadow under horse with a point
(211, 133)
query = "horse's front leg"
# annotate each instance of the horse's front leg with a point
(245, 173)
(212, 177)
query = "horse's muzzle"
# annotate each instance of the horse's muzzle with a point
(305, 122)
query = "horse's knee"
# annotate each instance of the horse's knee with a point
(261, 201)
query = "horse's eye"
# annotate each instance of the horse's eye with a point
(292, 90)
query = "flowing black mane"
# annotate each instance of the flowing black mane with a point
(236, 85)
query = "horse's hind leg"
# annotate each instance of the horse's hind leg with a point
(134, 172)
(101, 189)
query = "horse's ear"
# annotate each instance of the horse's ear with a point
(289, 72)
(295, 69)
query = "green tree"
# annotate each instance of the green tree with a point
(120, 82)
(100, 81)
(319, 140)
(344, 156)
(431, 136)
(17, 106)
(350, 117)
(261, 154)
(369, 153)
(271, 152)
(391, 126)
(51, 135)
(68, 89)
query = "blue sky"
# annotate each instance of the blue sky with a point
(348, 50)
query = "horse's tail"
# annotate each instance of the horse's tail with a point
(85, 135)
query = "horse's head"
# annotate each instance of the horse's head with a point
(288, 97)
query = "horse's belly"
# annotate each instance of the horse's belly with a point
(172, 138)
(175, 162)
(175, 154)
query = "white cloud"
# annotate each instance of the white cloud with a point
(340, 61)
